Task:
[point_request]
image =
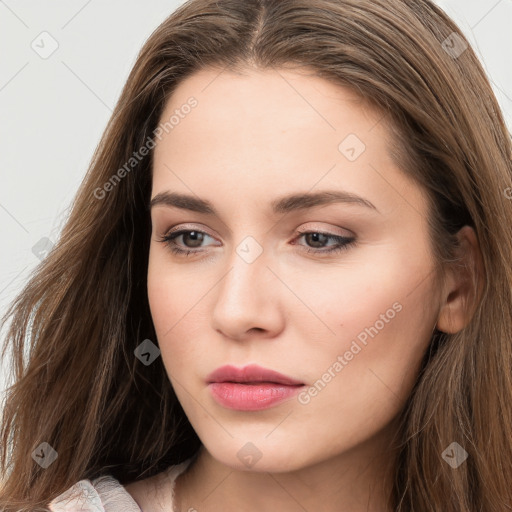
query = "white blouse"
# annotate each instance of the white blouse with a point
(106, 494)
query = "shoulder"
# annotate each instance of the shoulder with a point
(156, 493)
(104, 494)
(145, 492)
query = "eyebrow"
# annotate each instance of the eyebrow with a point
(285, 204)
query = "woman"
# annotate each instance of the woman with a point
(285, 282)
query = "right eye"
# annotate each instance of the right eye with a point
(195, 237)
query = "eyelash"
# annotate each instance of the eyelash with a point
(343, 242)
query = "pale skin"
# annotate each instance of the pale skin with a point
(251, 140)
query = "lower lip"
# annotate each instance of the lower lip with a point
(251, 397)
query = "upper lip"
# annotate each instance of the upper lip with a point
(250, 373)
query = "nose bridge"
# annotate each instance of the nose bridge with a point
(247, 274)
(246, 299)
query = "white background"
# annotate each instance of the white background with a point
(54, 110)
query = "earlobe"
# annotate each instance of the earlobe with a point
(463, 284)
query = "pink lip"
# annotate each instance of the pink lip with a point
(251, 388)
(249, 374)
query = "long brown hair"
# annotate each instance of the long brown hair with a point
(76, 382)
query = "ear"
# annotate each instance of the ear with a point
(463, 284)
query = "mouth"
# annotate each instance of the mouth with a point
(250, 375)
(256, 382)
(252, 396)
(252, 388)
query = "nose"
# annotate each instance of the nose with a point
(248, 300)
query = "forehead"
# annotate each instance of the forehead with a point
(266, 112)
(264, 131)
(292, 98)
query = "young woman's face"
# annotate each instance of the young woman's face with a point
(305, 251)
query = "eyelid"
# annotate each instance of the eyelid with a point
(188, 227)
(347, 233)
(303, 229)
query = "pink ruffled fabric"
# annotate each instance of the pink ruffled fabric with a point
(106, 494)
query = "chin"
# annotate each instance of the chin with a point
(259, 456)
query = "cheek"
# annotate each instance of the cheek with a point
(165, 309)
(171, 288)
(363, 381)
(385, 293)
(174, 294)
(383, 319)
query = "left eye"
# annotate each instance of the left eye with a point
(197, 237)
(341, 242)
